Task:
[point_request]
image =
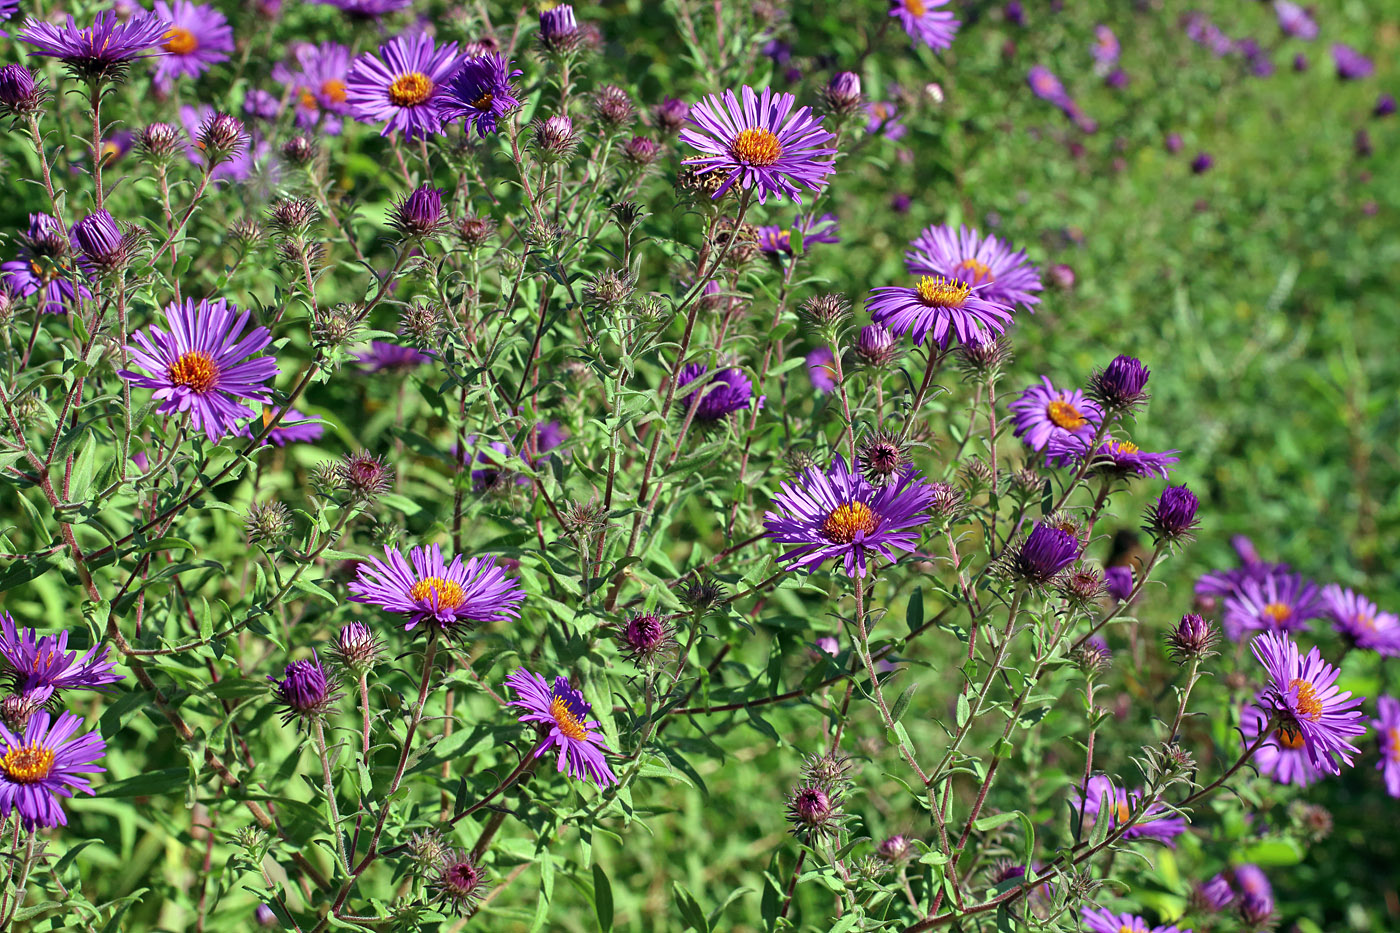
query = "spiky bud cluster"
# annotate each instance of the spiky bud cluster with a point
(221, 137)
(1192, 639)
(335, 326)
(608, 290)
(1092, 658)
(1082, 587)
(946, 504)
(105, 244)
(627, 214)
(363, 476)
(736, 241)
(701, 593)
(647, 639)
(267, 521)
(423, 323)
(884, 457)
(799, 460)
(246, 232)
(293, 216)
(895, 849)
(613, 107)
(825, 314)
(976, 476)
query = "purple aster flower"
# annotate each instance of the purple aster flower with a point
(1294, 20)
(821, 370)
(562, 713)
(1351, 64)
(261, 105)
(318, 85)
(1277, 603)
(939, 306)
(44, 764)
(304, 690)
(1119, 582)
(759, 141)
(426, 588)
(1302, 694)
(1120, 385)
(729, 391)
(20, 92)
(381, 356)
(202, 367)
(197, 37)
(1048, 87)
(367, 9)
(1385, 106)
(882, 116)
(1001, 275)
(1123, 458)
(1173, 516)
(1250, 880)
(288, 431)
(1174, 143)
(42, 667)
(1283, 757)
(1103, 920)
(1106, 48)
(1360, 622)
(401, 86)
(481, 93)
(45, 265)
(1157, 823)
(101, 50)
(1213, 895)
(925, 23)
(1228, 582)
(1388, 728)
(1201, 163)
(1044, 412)
(828, 645)
(875, 346)
(839, 514)
(775, 239)
(1043, 553)
(559, 29)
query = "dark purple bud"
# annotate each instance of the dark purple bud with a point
(19, 93)
(419, 213)
(299, 150)
(901, 202)
(875, 346)
(1117, 78)
(221, 137)
(293, 216)
(460, 882)
(670, 115)
(1202, 163)
(1194, 637)
(843, 94)
(1256, 911)
(16, 709)
(303, 688)
(812, 811)
(641, 151)
(558, 29)
(646, 638)
(1118, 582)
(894, 848)
(1044, 553)
(883, 458)
(1385, 106)
(1173, 516)
(475, 231)
(101, 241)
(1015, 15)
(1212, 896)
(1120, 385)
(363, 475)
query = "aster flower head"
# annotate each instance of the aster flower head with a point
(1043, 413)
(729, 391)
(775, 239)
(381, 356)
(202, 366)
(356, 649)
(1201, 163)
(1388, 729)
(1301, 694)
(481, 93)
(559, 30)
(1294, 20)
(1351, 65)
(295, 427)
(882, 117)
(814, 810)
(1156, 823)
(1119, 385)
(1112, 457)
(1193, 638)
(937, 307)
(875, 346)
(759, 142)
(44, 762)
(553, 139)
(1106, 48)
(646, 638)
(367, 9)
(925, 23)
(1282, 602)
(821, 369)
(304, 690)
(1043, 554)
(45, 264)
(999, 274)
(838, 514)
(1283, 756)
(419, 214)
(44, 667)
(426, 587)
(403, 86)
(101, 51)
(1173, 516)
(197, 37)
(460, 883)
(104, 243)
(1103, 920)
(670, 115)
(1118, 582)
(1045, 85)
(20, 90)
(1360, 622)
(1212, 896)
(561, 713)
(318, 84)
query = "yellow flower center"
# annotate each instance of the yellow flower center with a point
(1309, 706)
(1366, 622)
(565, 719)
(484, 102)
(334, 89)
(27, 764)
(756, 146)
(979, 271)
(1125, 447)
(1287, 738)
(915, 7)
(195, 371)
(1278, 612)
(411, 89)
(449, 592)
(938, 292)
(1065, 415)
(842, 525)
(180, 41)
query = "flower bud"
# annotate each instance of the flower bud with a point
(268, 521)
(356, 649)
(474, 231)
(608, 290)
(158, 141)
(646, 639)
(613, 107)
(1043, 554)
(641, 151)
(627, 214)
(19, 92)
(701, 594)
(419, 214)
(1173, 516)
(559, 30)
(814, 811)
(670, 115)
(422, 322)
(335, 326)
(825, 313)
(843, 96)
(16, 709)
(102, 242)
(554, 138)
(1193, 638)
(460, 883)
(221, 137)
(293, 216)
(1119, 385)
(894, 849)
(946, 503)
(364, 476)
(984, 355)
(875, 347)
(303, 690)
(883, 457)
(299, 150)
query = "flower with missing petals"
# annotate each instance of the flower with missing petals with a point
(938, 307)
(759, 142)
(1301, 695)
(202, 366)
(774, 239)
(460, 883)
(427, 588)
(1157, 822)
(561, 712)
(481, 93)
(1351, 64)
(1112, 457)
(403, 85)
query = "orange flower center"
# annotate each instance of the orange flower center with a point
(411, 89)
(1366, 622)
(845, 521)
(1065, 415)
(979, 271)
(1287, 738)
(334, 89)
(27, 764)
(180, 41)
(915, 7)
(1394, 733)
(1121, 812)
(1278, 612)
(565, 719)
(756, 146)
(449, 592)
(938, 292)
(195, 371)
(1309, 706)
(484, 102)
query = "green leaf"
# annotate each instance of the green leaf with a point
(602, 898)
(902, 704)
(914, 614)
(690, 909)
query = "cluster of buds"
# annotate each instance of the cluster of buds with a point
(335, 326)
(814, 806)
(220, 138)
